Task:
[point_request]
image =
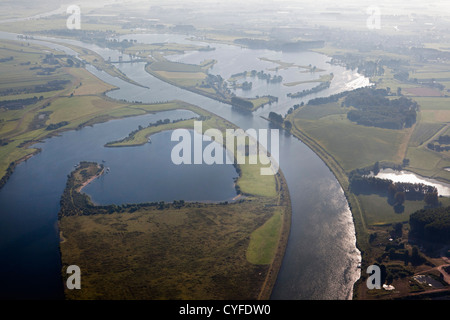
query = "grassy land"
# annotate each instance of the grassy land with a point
(352, 145)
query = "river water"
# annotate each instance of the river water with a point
(321, 257)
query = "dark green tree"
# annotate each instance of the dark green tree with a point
(431, 199)
(400, 198)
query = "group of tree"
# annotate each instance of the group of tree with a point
(329, 99)
(74, 203)
(242, 103)
(54, 126)
(53, 85)
(246, 85)
(276, 118)
(219, 85)
(373, 108)
(432, 224)
(6, 59)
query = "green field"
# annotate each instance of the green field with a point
(352, 145)
(378, 211)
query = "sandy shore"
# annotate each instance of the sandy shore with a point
(84, 184)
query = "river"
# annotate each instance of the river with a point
(321, 257)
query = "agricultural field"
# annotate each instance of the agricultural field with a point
(352, 145)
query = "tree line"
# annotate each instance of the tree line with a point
(19, 103)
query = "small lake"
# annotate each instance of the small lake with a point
(410, 177)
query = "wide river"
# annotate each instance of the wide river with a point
(321, 257)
